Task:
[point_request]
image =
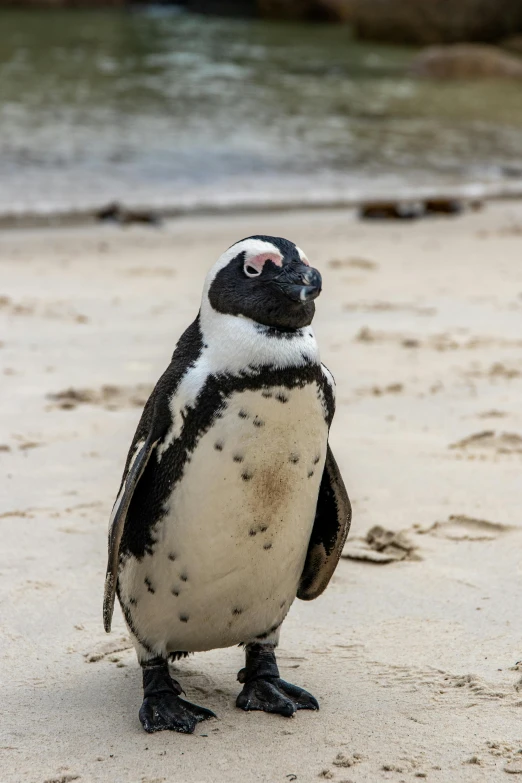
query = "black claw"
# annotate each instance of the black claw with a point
(199, 713)
(302, 699)
(275, 695)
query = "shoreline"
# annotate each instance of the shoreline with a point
(147, 212)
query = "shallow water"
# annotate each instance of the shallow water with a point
(165, 108)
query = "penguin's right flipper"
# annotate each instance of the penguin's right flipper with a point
(154, 423)
(134, 471)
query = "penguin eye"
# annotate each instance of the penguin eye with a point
(251, 271)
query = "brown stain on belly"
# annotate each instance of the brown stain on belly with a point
(270, 489)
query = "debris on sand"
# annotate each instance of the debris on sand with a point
(382, 546)
(344, 760)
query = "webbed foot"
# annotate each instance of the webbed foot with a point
(264, 689)
(275, 695)
(162, 707)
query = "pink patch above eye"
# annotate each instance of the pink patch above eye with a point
(258, 262)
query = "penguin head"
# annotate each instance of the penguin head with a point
(266, 279)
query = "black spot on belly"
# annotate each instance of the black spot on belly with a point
(133, 601)
(172, 556)
(218, 445)
(263, 528)
(266, 393)
(175, 591)
(184, 618)
(149, 585)
(294, 458)
(316, 460)
(310, 473)
(252, 532)
(243, 414)
(282, 604)
(237, 611)
(238, 458)
(184, 578)
(258, 422)
(267, 546)
(246, 475)
(281, 397)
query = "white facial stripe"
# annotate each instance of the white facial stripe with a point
(302, 256)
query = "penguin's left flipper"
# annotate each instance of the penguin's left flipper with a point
(332, 522)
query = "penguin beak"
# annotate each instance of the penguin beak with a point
(299, 282)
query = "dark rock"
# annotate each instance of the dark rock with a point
(443, 206)
(466, 61)
(437, 21)
(117, 213)
(309, 10)
(239, 8)
(391, 210)
(513, 44)
(45, 4)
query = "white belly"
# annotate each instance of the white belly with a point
(231, 548)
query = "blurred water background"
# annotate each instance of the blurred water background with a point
(162, 108)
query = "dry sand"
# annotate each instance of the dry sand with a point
(414, 662)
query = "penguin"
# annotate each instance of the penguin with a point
(231, 503)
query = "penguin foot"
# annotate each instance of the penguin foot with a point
(162, 707)
(271, 694)
(265, 690)
(167, 711)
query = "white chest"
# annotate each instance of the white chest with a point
(231, 547)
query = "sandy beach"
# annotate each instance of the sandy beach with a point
(413, 660)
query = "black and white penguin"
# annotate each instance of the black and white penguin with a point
(231, 502)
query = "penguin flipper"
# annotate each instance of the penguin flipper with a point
(332, 523)
(134, 471)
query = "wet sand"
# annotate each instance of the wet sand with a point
(413, 660)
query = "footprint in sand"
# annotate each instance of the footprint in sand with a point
(489, 441)
(460, 527)
(497, 370)
(354, 263)
(390, 307)
(108, 397)
(54, 310)
(108, 650)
